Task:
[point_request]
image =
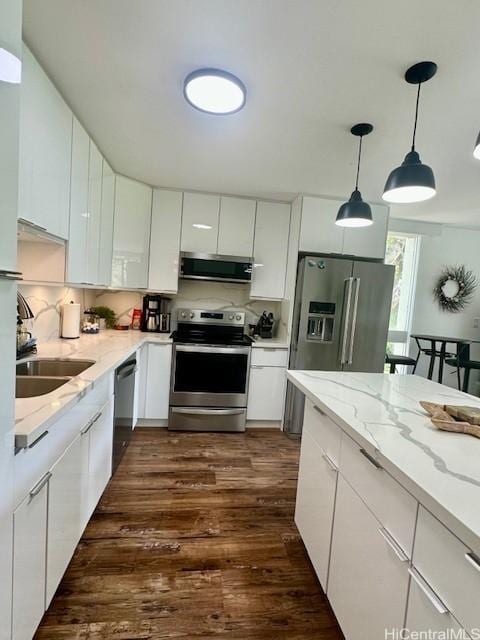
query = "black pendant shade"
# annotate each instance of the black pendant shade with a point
(412, 181)
(356, 212)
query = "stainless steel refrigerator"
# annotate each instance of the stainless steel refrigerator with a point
(340, 321)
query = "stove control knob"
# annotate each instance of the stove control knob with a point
(231, 316)
(192, 315)
(238, 318)
(183, 314)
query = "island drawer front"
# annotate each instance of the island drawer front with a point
(323, 430)
(449, 568)
(269, 357)
(394, 507)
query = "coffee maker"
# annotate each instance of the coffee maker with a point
(155, 316)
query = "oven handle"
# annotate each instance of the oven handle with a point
(204, 349)
(207, 412)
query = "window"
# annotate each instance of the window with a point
(402, 252)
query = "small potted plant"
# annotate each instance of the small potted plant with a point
(107, 316)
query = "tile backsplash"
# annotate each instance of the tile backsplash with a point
(45, 302)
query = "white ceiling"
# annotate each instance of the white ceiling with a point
(312, 69)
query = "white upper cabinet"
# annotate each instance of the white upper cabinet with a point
(320, 234)
(165, 240)
(94, 213)
(45, 149)
(270, 250)
(77, 244)
(368, 242)
(237, 226)
(200, 222)
(131, 234)
(318, 231)
(106, 226)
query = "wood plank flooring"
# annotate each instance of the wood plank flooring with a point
(194, 538)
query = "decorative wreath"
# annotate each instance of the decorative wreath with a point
(454, 288)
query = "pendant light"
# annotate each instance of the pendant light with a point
(412, 181)
(356, 212)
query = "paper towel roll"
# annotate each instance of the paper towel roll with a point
(70, 320)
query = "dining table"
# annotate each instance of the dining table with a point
(462, 345)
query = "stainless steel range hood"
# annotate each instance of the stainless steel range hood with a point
(215, 267)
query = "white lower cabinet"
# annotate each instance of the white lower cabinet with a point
(426, 612)
(317, 483)
(368, 578)
(29, 561)
(266, 392)
(158, 381)
(64, 509)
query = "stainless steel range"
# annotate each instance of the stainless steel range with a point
(210, 369)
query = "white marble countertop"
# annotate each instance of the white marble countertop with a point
(382, 413)
(108, 349)
(270, 343)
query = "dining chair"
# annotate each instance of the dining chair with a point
(394, 360)
(464, 362)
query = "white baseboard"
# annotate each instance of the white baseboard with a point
(264, 424)
(143, 422)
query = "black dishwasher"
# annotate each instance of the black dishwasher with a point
(124, 408)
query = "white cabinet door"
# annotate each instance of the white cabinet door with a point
(425, 611)
(165, 240)
(158, 381)
(237, 226)
(368, 581)
(317, 482)
(100, 458)
(200, 222)
(131, 234)
(64, 514)
(106, 226)
(270, 250)
(368, 242)
(29, 549)
(94, 213)
(266, 393)
(77, 240)
(318, 231)
(45, 151)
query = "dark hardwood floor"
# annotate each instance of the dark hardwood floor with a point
(194, 538)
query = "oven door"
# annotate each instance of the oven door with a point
(209, 376)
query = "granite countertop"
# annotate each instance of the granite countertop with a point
(381, 412)
(107, 348)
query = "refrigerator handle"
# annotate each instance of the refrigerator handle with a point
(346, 319)
(354, 320)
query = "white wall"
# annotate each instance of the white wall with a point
(445, 246)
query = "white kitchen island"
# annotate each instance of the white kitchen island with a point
(388, 506)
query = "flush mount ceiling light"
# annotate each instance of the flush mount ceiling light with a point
(356, 212)
(214, 91)
(412, 181)
(10, 67)
(476, 151)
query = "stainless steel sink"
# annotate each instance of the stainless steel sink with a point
(53, 367)
(31, 386)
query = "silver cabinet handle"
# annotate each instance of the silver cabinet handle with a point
(393, 544)
(330, 462)
(40, 437)
(354, 320)
(10, 275)
(428, 591)
(320, 411)
(207, 412)
(348, 283)
(257, 366)
(90, 424)
(40, 484)
(370, 458)
(472, 559)
(32, 224)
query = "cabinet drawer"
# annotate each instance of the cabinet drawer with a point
(449, 567)
(269, 357)
(394, 507)
(323, 430)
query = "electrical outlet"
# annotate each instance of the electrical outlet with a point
(476, 323)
